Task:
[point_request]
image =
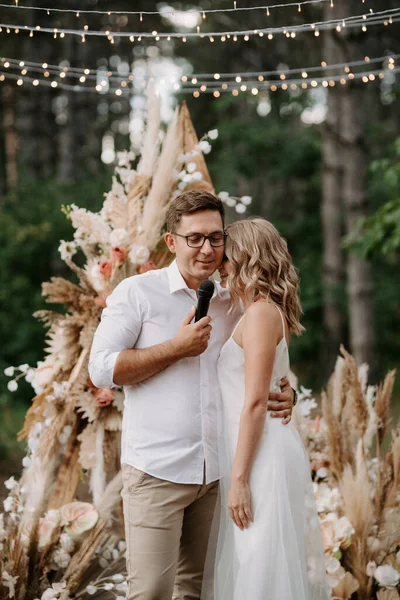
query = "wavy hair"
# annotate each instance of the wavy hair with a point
(262, 266)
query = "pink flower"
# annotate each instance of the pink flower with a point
(118, 256)
(47, 525)
(78, 517)
(101, 300)
(148, 266)
(106, 268)
(104, 396)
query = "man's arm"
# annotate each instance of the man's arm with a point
(134, 366)
(114, 361)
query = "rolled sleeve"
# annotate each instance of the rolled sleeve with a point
(119, 329)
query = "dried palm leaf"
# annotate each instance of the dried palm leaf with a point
(68, 475)
(160, 193)
(149, 150)
(346, 588)
(382, 404)
(334, 438)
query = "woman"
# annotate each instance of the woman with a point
(269, 545)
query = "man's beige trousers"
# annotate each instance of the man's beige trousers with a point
(167, 527)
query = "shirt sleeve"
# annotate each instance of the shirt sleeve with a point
(119, 329)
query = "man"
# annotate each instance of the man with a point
(167, 367)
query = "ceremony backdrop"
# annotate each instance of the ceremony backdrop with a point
(299, 104)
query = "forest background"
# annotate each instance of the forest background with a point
(314, 162)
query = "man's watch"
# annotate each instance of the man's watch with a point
(295, 397)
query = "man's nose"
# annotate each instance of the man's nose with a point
(207, 248)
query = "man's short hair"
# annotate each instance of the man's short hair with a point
(191, 202)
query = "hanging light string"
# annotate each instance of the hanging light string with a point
(193, 78)
(170, 13)
(385, 17)
(234, 88)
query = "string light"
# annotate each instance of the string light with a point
(164, 13)
(351, 22)
(93, 74)
(273, 86)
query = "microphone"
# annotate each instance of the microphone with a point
(206, 290)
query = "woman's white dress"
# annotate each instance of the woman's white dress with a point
(280, 555)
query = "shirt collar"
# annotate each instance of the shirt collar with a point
(176, 281)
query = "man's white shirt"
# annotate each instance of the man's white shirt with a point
(170, 421)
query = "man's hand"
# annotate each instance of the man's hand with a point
(281, 403)
(192, 338)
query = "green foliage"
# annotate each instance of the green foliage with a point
(380, 233)
(32, 225)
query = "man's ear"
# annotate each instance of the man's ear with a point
(170, 241)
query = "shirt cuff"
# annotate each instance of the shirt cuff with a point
(102, 375)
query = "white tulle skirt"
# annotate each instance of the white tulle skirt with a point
(280, 556)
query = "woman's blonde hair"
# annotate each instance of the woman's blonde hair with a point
(262, 266)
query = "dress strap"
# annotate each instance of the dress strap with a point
(237, 325)
(283, 320)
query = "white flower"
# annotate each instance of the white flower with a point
(306, 406)
(187, 178)
(66, 542)
(9, 581)
(371, 568)
(108, 586)
(246, 200)
(30, 375)
(231, 202)
(23, 367)
(181, 185)
(122, 546)
(10, 483)
(61, 558)
(191, 167)
(182, 174)
(197, 176)
(118, 578)
(213, 134)
(223, 196)
(9, 504)
(204, 146)
(119, 238)
(240, 208)
(96, 278)
(125, 157)
(26, 461)
(387, 576)
(67, 249)
(343, 531)
(91, 590)
(58, 587)
(9, 372)
(12, 385)
(49, 594)
(139, 254)
(322, 472)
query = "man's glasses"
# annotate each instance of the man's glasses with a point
(196, 240)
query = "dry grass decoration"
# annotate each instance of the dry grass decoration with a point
(54, 546)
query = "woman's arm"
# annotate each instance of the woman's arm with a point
(262, 331)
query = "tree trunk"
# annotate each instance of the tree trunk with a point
(331, 213)
(10, 136)
(359, 273)
(354, 160)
